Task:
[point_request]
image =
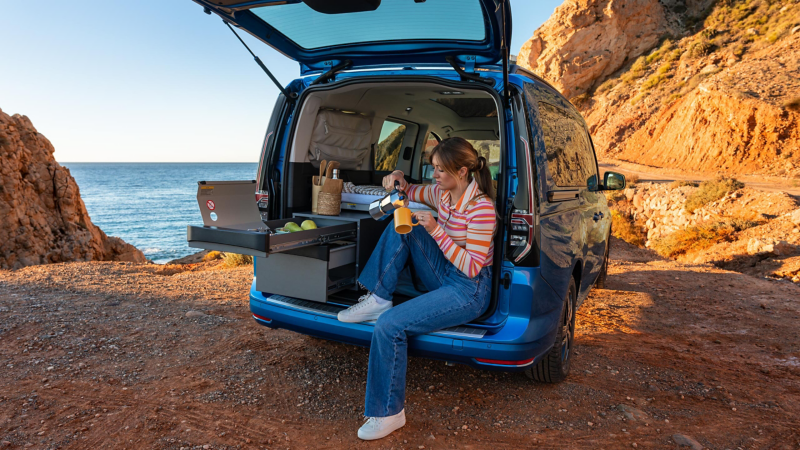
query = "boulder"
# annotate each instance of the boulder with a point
(794, 217)
(42, 217)
(685, 441)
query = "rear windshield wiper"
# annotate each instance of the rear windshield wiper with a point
(261, 64)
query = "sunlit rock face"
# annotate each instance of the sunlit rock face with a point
(587, 40)
(42, 217)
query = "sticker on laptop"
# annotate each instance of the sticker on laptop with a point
(206, 190)
(214, 217)
(210, 204)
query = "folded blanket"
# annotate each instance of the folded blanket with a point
(351, 188)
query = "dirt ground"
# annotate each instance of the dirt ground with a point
(125, 355)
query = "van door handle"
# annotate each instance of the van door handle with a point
(598, 216)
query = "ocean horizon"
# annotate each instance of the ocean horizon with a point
(149, 205)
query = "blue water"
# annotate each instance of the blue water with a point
(150, 204)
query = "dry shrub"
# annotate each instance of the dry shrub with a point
(607, 85)
(624, 227)
(614, 197)
(212, 255)
(580, 100)
(631, 180)
(681, 183)
(699, 237)
(656, 78)
(638, 98)
(637, 70)
(793, 104)
(710, 191)
(236, 260)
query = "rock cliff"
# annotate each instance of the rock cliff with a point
(585, 41)
(698, 86)
(42, 217)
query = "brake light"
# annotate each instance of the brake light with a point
(522, 220)
(505, 363)
(265, 319)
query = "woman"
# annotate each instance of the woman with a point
(453, 257)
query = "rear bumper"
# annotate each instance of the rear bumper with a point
(444, 346)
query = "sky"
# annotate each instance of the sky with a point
(150, 80)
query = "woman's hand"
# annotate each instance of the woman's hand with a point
(388, 180)
(425, 220)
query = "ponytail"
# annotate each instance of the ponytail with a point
(483, 177)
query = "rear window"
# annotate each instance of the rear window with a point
(393, 20)
(570, 159)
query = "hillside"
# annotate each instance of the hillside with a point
(42, 217)
(703, 87)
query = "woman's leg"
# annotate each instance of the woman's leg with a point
(389, 258)
(458, 301)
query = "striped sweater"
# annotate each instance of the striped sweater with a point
(464, 231)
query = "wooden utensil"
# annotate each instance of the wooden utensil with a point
(320, 180)
(316, 186)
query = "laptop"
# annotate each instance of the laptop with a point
(229, 204)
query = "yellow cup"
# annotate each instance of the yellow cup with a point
(402, 221)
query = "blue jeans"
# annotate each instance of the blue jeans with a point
(454, 299)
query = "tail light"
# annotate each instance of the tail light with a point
(262, 200)
(520, 236)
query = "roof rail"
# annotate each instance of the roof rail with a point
(517, 69)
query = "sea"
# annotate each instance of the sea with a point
(149, 205)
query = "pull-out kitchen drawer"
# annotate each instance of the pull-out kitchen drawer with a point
(260, 243)
(310, 273)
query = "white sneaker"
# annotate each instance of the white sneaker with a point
(366, 309)
(378, 427)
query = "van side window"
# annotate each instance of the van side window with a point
(426, 169)
(570, 159)
(489, 149)
(389, 144)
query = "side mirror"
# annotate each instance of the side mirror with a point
(613, 181)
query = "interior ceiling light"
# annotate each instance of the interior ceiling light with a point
(451, 93)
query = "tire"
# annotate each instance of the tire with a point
(601, 278)
(554, 367)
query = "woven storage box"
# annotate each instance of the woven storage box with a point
(329, 204)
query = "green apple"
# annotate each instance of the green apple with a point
(308, 225)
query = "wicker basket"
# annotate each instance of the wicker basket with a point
(329, 204)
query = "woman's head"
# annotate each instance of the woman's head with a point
(456, 162)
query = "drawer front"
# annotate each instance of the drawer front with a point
(250, 241)
(306, 274)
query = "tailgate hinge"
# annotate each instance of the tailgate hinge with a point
(469, 63)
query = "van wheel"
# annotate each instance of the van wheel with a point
(554, 367)
(601, 279)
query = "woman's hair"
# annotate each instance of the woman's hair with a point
(455, 153)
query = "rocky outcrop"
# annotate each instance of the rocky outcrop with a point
(760, 230)
(585, 41)
(42, 217)
(695, 85)
(733, 122)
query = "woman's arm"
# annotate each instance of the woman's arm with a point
(427, 194)
(481, 225)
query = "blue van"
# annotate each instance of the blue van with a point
(381, 82)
